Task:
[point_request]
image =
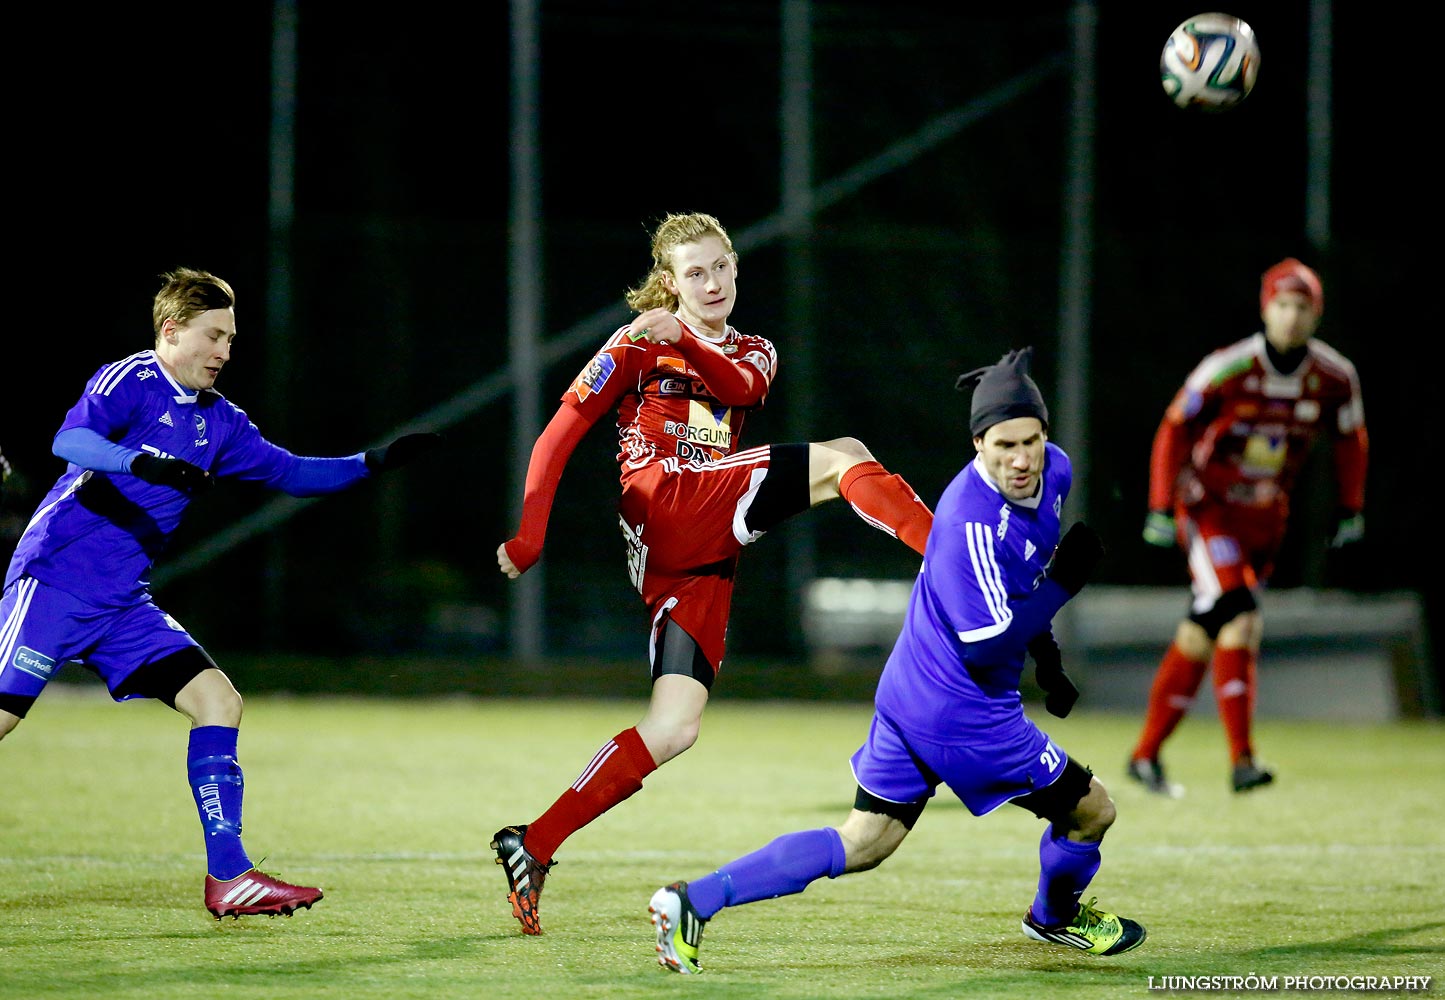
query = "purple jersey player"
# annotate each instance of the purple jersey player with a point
(148, 434)
(948, 709)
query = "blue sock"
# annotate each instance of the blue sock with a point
(1066, 867)
(787, 865)
(217, 786)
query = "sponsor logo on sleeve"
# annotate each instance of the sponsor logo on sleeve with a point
(592, 378)
(758, 360)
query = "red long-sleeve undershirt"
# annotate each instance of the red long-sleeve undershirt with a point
(544, 471)
(730, 383)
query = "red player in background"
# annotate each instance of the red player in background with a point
(1225, 463)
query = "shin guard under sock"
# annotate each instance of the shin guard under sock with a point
(615, 773)
(1234, 689)
(888, 503)
(217, 787)
(1066, 867)
(1175, 684)
(786, 866)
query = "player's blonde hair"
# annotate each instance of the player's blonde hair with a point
(674, 231)
(186, 293)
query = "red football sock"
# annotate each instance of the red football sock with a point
(615, 773)
(1174, 687)
(1234, 691)
(888, 503)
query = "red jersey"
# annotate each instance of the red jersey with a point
(1238, 431)
(665, 406)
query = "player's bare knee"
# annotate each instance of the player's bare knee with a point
(7, 723)
(1094, 814)
(828, 462)
(209, 699)
(866, 846)
(850, 449)
(1193, 641)
(686, 734)
(1243, 631)
(668, 738)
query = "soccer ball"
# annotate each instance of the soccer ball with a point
(1209, 63)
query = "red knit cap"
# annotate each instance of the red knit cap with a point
(1289, 275)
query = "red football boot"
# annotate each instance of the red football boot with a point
(254, 892)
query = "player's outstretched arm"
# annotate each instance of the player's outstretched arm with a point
(544, 471)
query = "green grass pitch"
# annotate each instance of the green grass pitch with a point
(1334, 871)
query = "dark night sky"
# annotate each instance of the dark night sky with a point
(139, 142)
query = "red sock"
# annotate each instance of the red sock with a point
(615, 773)
(888, 503)
(1175, 683)
(1234, 691)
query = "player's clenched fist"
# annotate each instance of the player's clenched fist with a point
(505, 562)
(657, 325)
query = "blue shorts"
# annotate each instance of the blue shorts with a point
(42, 629)
(1017, 759)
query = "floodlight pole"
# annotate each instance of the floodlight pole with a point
(1076, 270)
(796, 124)
(524, 319)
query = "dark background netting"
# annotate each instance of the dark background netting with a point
(146, 147)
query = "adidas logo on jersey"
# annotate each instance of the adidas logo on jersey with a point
(166, 419)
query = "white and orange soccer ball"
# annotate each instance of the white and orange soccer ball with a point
(1209, 63)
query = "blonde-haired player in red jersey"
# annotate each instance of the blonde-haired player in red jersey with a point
(682, 381)
(1225, 463)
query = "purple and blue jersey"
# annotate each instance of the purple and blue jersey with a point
(949, 694)
(96, 534)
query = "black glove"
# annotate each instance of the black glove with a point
(1077, 555)
(176, 473)
(1059, 691)
(401, 451)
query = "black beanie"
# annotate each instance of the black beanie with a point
(1002, 392)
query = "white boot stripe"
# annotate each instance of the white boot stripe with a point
(241, 887)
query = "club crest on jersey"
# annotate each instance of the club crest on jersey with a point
(1003, 516)
(201, 441)
(592, 378)
(1058, 505)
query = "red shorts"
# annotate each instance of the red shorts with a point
(685, 525)
(1228, 548)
